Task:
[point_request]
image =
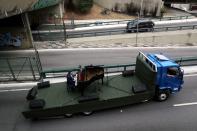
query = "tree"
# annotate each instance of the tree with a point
(84, 5)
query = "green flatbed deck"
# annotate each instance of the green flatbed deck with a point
(115, 91)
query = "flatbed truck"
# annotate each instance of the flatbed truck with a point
(154, 76)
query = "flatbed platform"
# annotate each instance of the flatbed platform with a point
(114, 91)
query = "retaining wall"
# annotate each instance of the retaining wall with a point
(148, 5)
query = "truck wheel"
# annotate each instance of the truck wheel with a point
(87, 113)
(162, 95)
(34, 119)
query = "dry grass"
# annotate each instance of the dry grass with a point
(95, 13)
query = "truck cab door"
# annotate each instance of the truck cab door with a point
(174, 78)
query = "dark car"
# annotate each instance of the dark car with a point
(140, 25)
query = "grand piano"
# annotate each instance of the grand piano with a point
(88, 75)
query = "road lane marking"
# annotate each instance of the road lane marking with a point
(185, 104)
(190, 75)
(112, 48)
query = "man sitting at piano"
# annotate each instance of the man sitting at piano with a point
(70, 81)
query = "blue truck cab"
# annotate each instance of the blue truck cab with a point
(169, 75)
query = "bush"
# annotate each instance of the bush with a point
(84, 6)
(131, 9)
(163, 10)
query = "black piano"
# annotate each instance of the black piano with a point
(88, 75)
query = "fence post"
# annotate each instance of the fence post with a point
(31, 67)
(39, 34)
(12, 72)
(124, 68)
(38, 62)
(65, 38)
(166, 28)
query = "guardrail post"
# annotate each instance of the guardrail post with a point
(12, 72)
(39, 35)
(125, 68)
(43, 75)
(187, 17)
(107, 76)
(64, 27)
(180, 61)
(166, 28)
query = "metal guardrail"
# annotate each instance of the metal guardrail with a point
(71, 25)
(125, 21)
(61, 35)
(59, 72)
(121, 31)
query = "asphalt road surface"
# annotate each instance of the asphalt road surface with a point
(70, 58)
(149, 116)
(74, 58)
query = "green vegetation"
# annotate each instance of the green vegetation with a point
(163, 10)
(84, 6)
(131, 9)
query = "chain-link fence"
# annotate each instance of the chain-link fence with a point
(19, 69)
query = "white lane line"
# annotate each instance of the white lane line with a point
(113, 48)
(13, 90)
(185, 104)
(110, 48)
(190, 75)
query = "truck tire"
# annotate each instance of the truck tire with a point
(162, 95)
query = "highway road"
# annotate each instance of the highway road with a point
(149, 116)
(70, 58)
(178, 113)
(105, 56)
(169, 25)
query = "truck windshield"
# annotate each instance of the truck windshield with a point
(172, 71)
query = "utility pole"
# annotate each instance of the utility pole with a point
(64, 27)
(137, 29)
(138, 17)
